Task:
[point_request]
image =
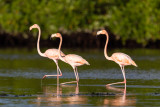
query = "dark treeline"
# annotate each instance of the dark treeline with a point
(131, 23)
(75, 40)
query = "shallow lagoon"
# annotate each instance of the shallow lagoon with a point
(21, 72)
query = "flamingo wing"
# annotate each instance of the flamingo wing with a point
(53, 53)
(76, 59)
(123, 59)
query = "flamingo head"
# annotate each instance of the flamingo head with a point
(58, 35)
(33, 26)
(101, 32)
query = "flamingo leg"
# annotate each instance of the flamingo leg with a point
(58, 71)
(77, 90)
(124, 75)
(123, 72)
(58, 84)
(76, 75)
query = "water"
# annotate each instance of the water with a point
(21, 72)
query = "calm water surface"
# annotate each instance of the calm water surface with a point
(21, 85)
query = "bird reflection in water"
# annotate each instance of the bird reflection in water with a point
(120, 99)
(62, 94)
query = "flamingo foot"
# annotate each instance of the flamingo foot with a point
(44, 77)
(124, 82)
(69, 82)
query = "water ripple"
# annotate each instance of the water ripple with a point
(83, 74)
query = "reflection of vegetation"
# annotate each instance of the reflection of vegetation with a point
(128, 19)
(19, 86)
(15, 59)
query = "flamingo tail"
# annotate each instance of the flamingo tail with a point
(133, 63)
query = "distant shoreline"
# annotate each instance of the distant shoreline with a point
(79, 40)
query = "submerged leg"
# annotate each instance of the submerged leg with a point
(58, 94)
(123, 72)
(76, 75)
(59, 73)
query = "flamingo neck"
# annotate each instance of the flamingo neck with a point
(38, 49)
(59, 49)
(105, 49)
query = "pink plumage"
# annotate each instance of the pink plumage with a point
(50, 53)
(120, 58)
(53, 54)
(72, 59)
(123, 59)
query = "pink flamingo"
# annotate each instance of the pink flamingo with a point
(72, 59)
(120, 58)
(50, 53)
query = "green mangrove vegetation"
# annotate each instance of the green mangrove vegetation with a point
(137, 20)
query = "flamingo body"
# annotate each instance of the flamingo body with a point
(75, 60)
(53, 54)
(122, 59)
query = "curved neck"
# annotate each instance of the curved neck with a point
(105, 49)
(59, 49)
(38, 49)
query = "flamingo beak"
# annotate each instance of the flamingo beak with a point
(31, 28)
(53, 35)
(34, 26)
(99, 32)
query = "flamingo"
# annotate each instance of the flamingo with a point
(72, 59)
(120, 58)
(49, 53)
